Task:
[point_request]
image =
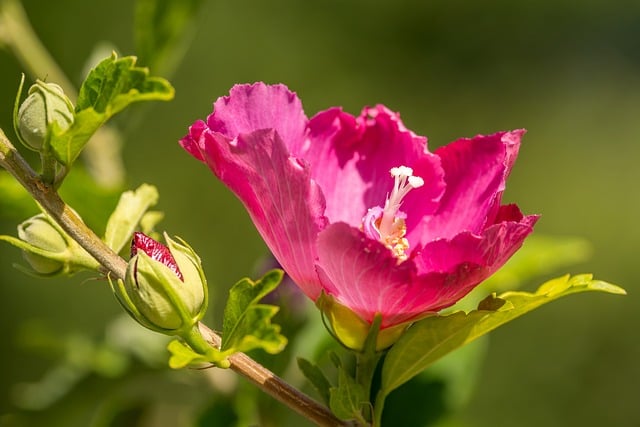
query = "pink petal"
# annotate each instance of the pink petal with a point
(475, 173)
(363, 275)
(260, 106)
(191, 142)
(284, 203)
(351, 157)
(490, 249)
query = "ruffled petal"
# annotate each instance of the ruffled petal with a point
(361, 274)
(351, 158)
(248, 108)
(191, 142)
(475, 172)
(284, 203)
(488, 252)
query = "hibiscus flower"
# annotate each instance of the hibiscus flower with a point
(363, 217)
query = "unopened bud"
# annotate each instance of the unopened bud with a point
(165, 289)
(48, 249)
(45, 104)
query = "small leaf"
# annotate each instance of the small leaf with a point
(130, 210)
(430, 339)
(316, 377)
(247, 323)
(347, 399)
(182, 355)
(109, 88)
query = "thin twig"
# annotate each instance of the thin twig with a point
(49, 199)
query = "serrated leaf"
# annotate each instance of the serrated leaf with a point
(182, 355)
(431, 338)
(316, 377)
(247, 323)
(347, 399)
(130, 210)
(109, 88)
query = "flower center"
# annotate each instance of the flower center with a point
(388, 224)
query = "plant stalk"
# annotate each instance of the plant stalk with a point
(46, 195)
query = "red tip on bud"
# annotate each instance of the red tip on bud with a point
(156, 250)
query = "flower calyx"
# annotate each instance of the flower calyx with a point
(351, 330)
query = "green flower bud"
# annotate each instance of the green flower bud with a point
(164, 289)
(45, 104)
(43, 236)
(48, 249)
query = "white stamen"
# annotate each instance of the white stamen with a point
(388, 222)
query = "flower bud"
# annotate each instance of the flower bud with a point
(48, 249)
(164, 289)
(45, 104)
(43, 236)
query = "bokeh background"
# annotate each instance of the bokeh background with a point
(568, 72)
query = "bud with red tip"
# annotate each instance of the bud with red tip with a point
(164, 289)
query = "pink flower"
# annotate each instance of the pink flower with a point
(357, 208)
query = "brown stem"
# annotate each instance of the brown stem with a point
(49, 199)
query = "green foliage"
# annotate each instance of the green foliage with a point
(109, 88)
(316, 377)
(129, 212)
(182, 355)
(247, 323)
(160, 30)
(348, 398)
(431, 338)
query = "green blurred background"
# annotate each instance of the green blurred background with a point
(567, 71)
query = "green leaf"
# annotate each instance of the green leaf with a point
(316, 377)
(109, 88)
(130, 210)
(348, 398)
(247, 323)
(430, 339)
(162, 29)
(182, 355)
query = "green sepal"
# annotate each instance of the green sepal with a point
(129, 212)
(247, 323)
(349, 398)
(433, 337)
(182, 356)
(316, 377)
(109, 88)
